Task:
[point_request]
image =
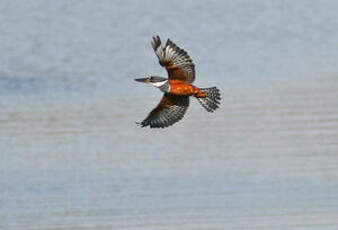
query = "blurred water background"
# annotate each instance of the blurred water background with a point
(72, 156)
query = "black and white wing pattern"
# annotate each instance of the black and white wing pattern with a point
(176, 60)
(170, 110)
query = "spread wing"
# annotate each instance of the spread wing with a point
(177, 61)
(170, 110)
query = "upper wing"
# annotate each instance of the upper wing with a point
(170, 110)
(177, 62)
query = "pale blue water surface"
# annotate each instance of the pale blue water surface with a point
(72, 157)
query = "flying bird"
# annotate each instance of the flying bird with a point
(177, 88)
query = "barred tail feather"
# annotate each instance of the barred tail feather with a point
(212, 100)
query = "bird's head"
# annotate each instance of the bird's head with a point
(153, 80)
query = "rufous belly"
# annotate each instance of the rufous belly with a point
(184, 89)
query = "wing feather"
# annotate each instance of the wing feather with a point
(170, 110)
(176, 60)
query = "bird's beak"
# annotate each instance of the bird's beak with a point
(144, 80)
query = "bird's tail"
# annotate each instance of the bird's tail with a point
(212, 99)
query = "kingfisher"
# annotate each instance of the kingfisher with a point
(177, 88)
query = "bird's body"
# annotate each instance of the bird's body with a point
(184, 89)
(177, 88)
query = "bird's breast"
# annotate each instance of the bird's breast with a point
(183, 89)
